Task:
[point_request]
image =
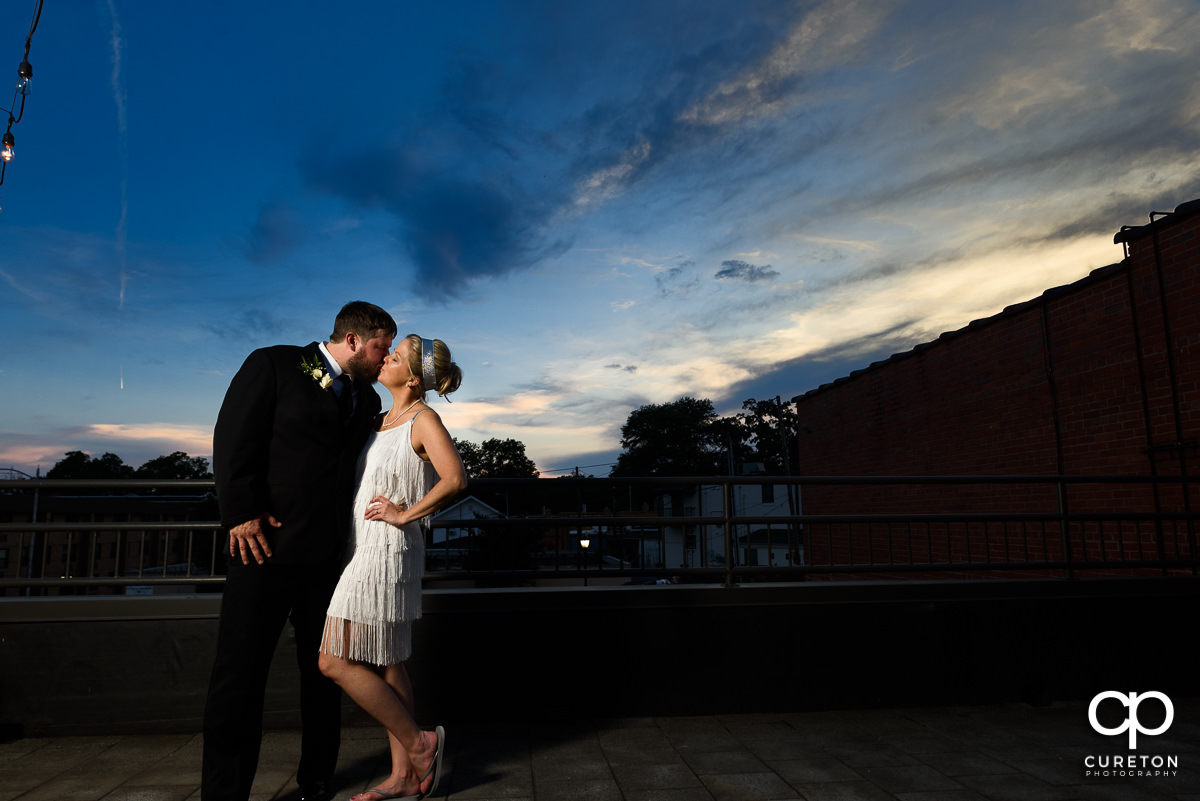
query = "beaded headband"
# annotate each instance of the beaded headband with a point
(428, 374)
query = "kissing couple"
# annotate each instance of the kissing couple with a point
(312, 477)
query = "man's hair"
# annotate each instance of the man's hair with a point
(365, 319)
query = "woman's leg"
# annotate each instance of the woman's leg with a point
(397, 678)
(386, 694)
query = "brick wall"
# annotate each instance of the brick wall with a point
(1097, 377)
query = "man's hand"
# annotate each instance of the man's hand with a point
(249, 539)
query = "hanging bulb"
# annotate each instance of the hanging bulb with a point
(9, 144)
(24, 78)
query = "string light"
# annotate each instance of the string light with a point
(23, 87)
(24, 77)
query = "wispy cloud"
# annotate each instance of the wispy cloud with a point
(117, 81)
(274, 234)
(736, 270)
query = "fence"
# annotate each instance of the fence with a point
(70, 537)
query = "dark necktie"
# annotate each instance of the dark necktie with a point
(345, 397)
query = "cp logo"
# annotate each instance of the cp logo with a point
(1131, 722)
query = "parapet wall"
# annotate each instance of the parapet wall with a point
(75, 666)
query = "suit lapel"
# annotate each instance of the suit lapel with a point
(329, 406)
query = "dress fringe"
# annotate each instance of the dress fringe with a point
(379, 594)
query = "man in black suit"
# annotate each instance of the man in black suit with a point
(286, 441)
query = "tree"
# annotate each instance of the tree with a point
(682, 438)
(77, 464)
(770, 428)
(175, 465)
(496, 458)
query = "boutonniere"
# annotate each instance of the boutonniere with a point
(316, 368)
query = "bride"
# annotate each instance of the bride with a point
(408, 469)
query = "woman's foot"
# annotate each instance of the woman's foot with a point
(380, 794)
(433, 746)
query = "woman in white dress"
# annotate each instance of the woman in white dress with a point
(407, 470)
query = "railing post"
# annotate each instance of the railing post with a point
(1065, 524)
(727, 492)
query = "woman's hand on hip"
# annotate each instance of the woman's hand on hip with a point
(380, 508)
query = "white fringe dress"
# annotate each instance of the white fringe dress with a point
(379, 593)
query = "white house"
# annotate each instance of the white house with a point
(760, 543)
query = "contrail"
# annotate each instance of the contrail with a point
(118, 87)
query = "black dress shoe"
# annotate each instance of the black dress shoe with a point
(315, 791)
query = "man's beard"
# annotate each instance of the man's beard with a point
(361, 371)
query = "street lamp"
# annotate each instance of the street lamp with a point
(584, 542)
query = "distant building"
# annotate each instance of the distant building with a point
(126, 540)
(757, 544)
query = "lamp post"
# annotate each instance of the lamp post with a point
(584, 542)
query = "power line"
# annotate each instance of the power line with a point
(577, 467)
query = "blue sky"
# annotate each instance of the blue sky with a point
(597, 206)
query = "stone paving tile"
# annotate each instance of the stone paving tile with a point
(1053, 771)
(786, 746)
(495, 781)
(674, 776)
(748, 787)
(707, 763)
(966, 763)
(814, 771)
(864, 755)
(571, 769)
(698, 734)
(631, 757)
(754, 727)
(158, 793)
(924, 741)
(591, 790)
(180, 767)
(1018, 787)
(941, 795)
(639, 738)
(908, 778)
(670, 794)
(1008, 752)
(843, 791)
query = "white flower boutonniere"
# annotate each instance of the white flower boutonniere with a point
(316, 368)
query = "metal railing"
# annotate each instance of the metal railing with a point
(145, 536)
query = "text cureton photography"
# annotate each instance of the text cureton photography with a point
(1123, 709)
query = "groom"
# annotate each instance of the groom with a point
(287, 437)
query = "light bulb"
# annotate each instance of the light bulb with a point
(24, 78)
(9, 143)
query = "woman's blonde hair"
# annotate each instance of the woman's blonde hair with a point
(448, 374)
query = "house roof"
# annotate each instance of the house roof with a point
(468, 504)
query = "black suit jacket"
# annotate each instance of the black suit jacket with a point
(279, 449)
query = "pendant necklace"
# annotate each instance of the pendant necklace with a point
(386, 423)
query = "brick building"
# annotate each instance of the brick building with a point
(1099, 377)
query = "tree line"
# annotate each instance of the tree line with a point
(685, 437)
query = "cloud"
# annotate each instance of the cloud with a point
(495, 176)
(252, 325)
(735, 270)
(274, 235)
(454, 227)
(676, 280)
(830, 35)
(135, 443)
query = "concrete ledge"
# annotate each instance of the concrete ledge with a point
(119, 665)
